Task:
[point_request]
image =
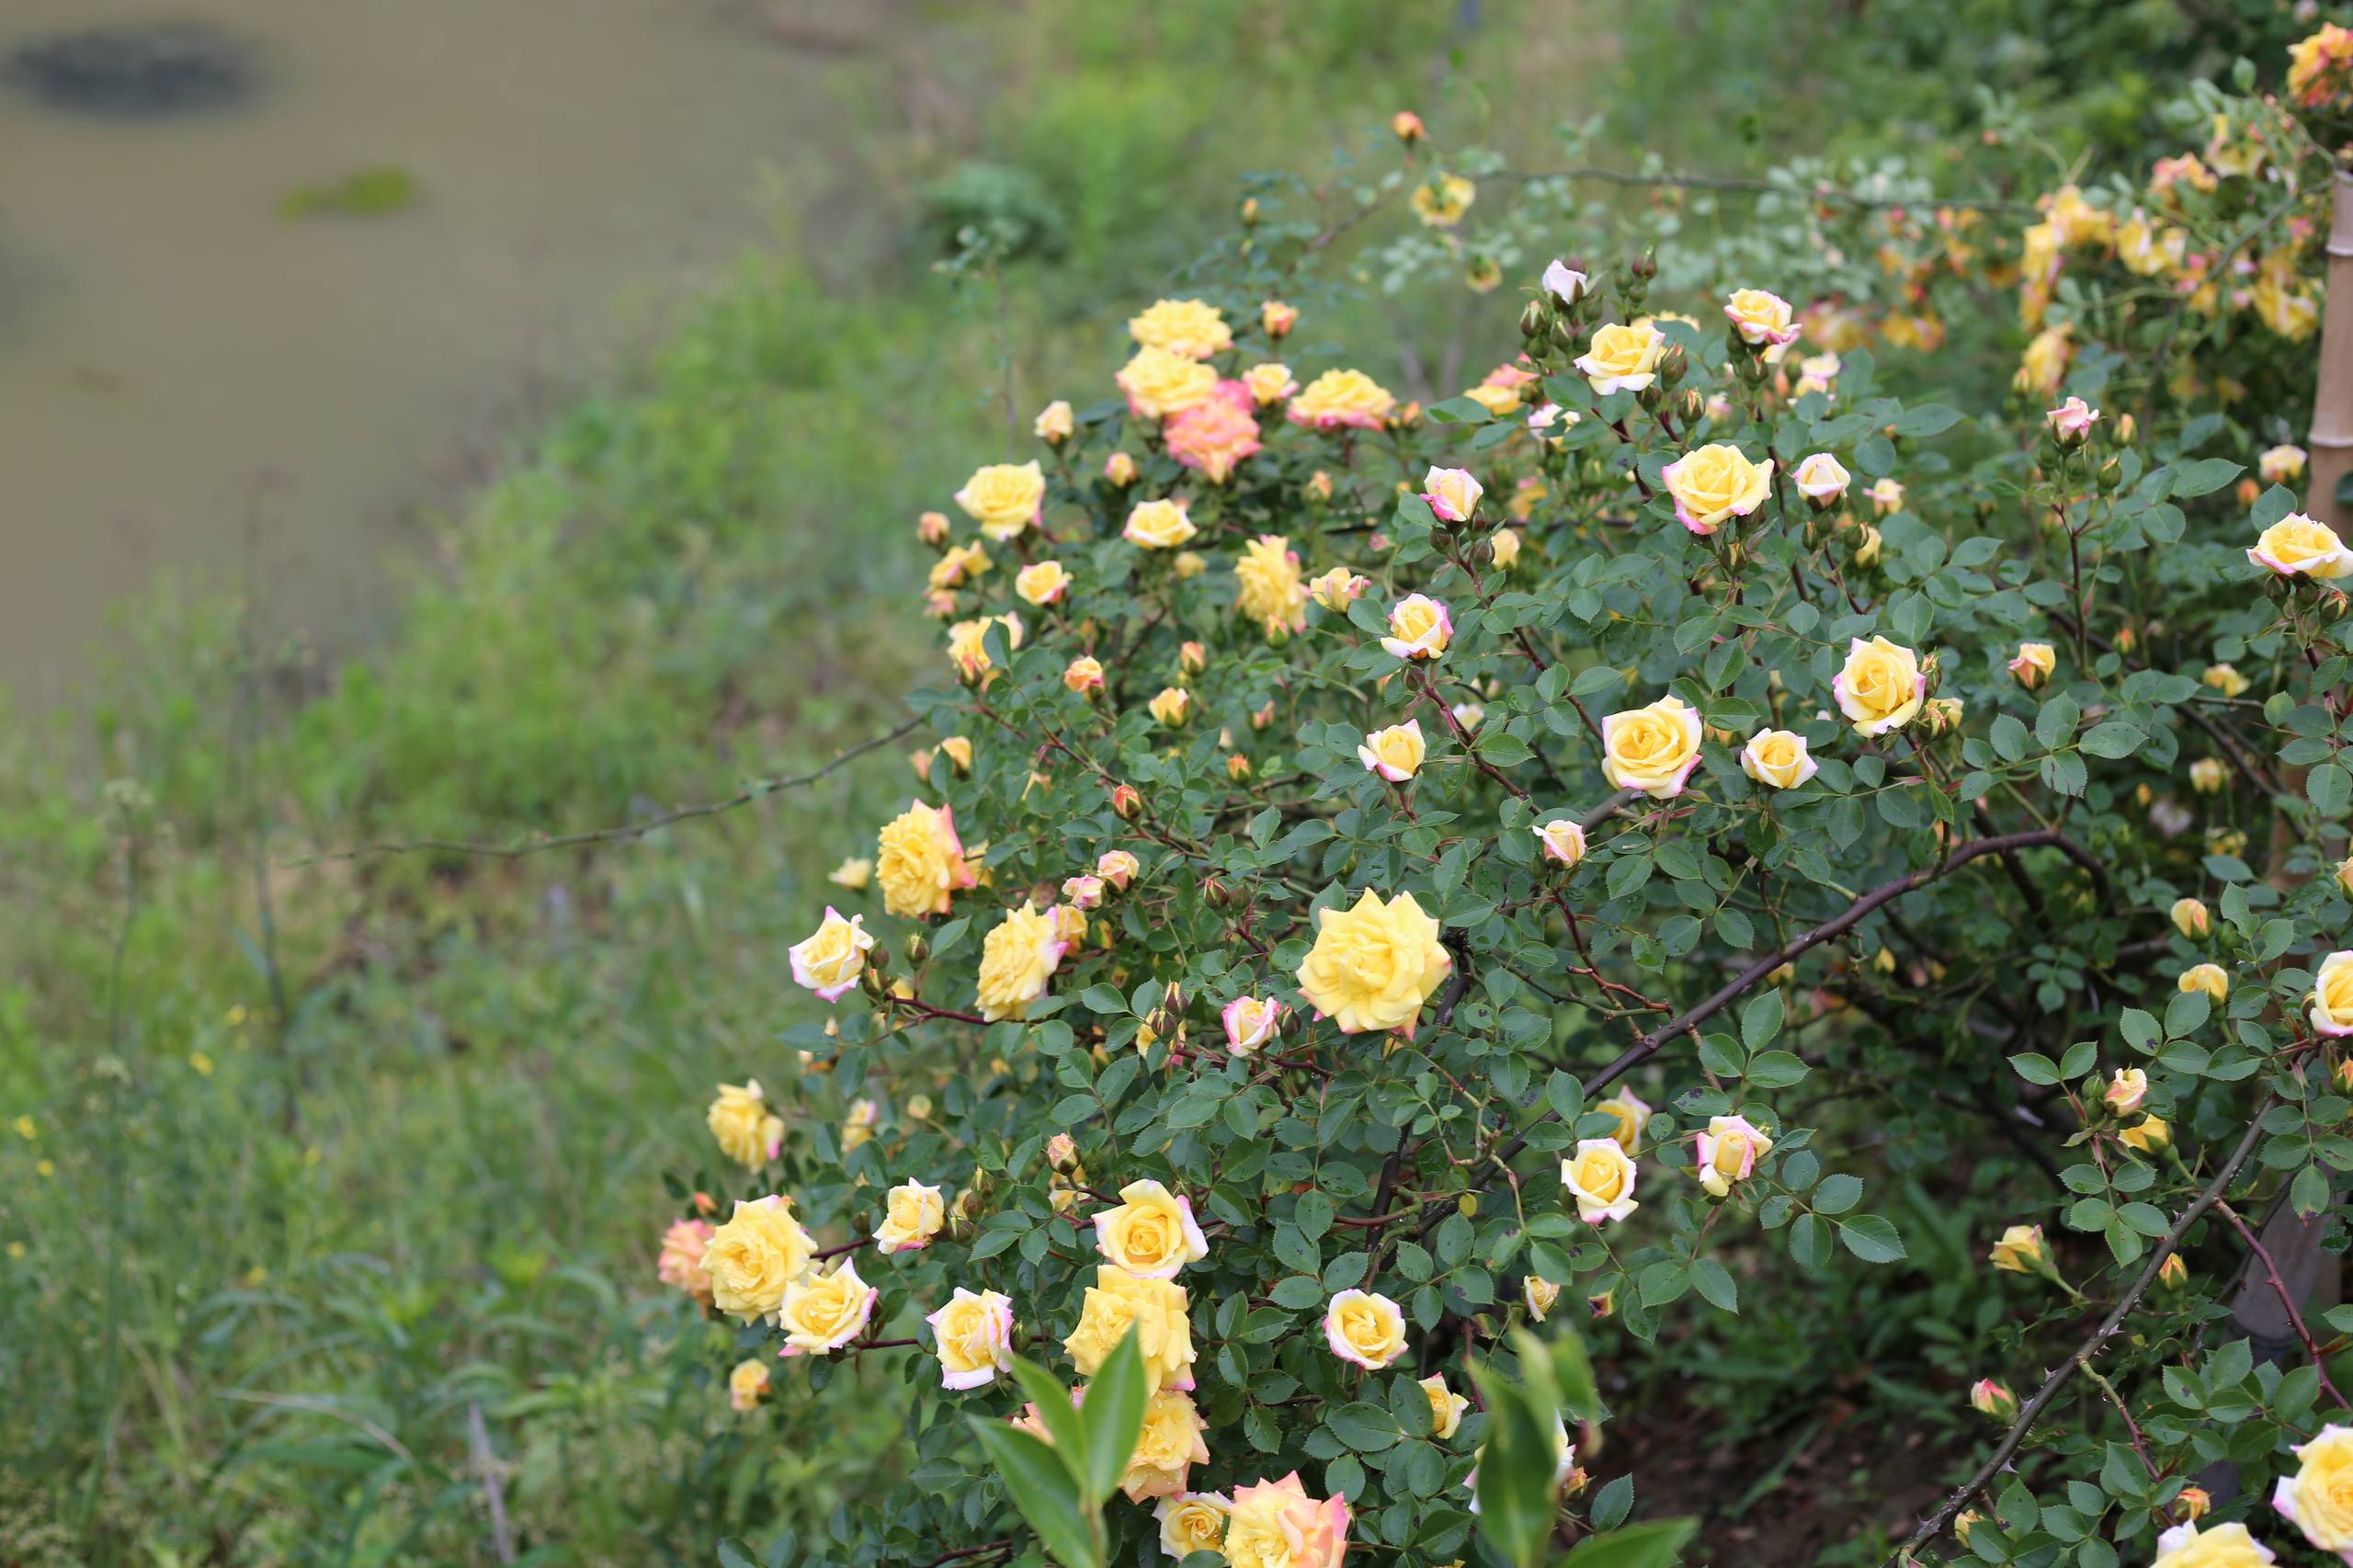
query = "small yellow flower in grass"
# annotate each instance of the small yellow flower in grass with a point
(26, 1128)
(2225, 679)
(2207, 776)
(1267, 576)
(1778, 759)
(751, 1259)
(1729, 1151)
(1373, 965)
(973, 1336)
(1154, 1308)
(1189, 327)
(1632, 1116)
(828, 962)
(920, 862)
(1652, 749)
(1540, 1295)
(1600, 1178)
(2189, 918)
(1621, 359)
(2331, 1008)
(1172, 705)
(1003, 499)
(1158, 524)
(1159, 383)
(2033, 662)
(1193, 1521)
(1085, 675)
(1338, 588)
(1419, 628)
(1446, 1408)
(1270, 383)
(2224, 1546)
(853, 873)
(2020, 1250)
(1564, 843)
(1168, 1448)
(2148, 1135)
(1395, 753)
(748, 1132)
(1016, 961)
(1366, 1328)
(821, 1313)
(2206, 977)
(1342, 398)
(2281, 465)
(1442, 200)
(2126, 1089)
(748, 1385)
(1761, 319)
(1881, 686)
(1151, 1233)
(1054, 424)
(2297, 546)
(913, 1217)
(1042, 583)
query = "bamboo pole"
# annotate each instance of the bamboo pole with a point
(2330, 439)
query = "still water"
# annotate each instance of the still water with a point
(177, 353)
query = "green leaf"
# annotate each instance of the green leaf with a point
(1065, 1433)
(1364, 1426)
(1760, 1021)
(1458, 411)
(1871, 1239)
(1653, 1545)
(1042, 1488)
(1516, 1501)
(1113, 1417)
(736, 1554)
(1715, 1286)
(2112, 740)
(1776, 1069)
(2204, 475)
(1837, 1193)
(1927, 419)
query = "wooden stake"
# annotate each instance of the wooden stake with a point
(2330, 441)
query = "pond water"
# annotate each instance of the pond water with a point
(181, 352)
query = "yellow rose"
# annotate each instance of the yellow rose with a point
(2045, 365)
(853, 873)
(958, 566)
(1622, 359)
(920, 862)
(2206, 977)
(858, 1126)
(2126, 1087)
(1275, 1524)
(1419, 628)
(2020, 1250)
(2224, 1546)
(1540, 1294)
(1085, 675)
(1729, 1151)
(914, 1216)
(1159, 383)
(1338, 398)
(2149, 1135)
(2225, 679)
(1158, 524)
(1366, 1328)
(821, 1313)
(968, 644)
(1171, 705)
(748, 1132)
(1003, 499)
(1373, 966)
(2318, 1499)
(1015, 963)
(2282, 464)
(1042, 584)
(1761, 319)
(972, 1336)
(1167, 1449)
(748, 1384)
(1652, 749)
(1778, 757)
(1337, 589)
(679, 1265)
(1155, 1308)
(1600, 1178)
(2033, 664)
(1182, 326)
(2296, 546)
(1881, 687)
(1442, 200)
(1715, 482)
(1499, 402)
(1054, 423)
(1446, 1408)
(1394, 753)
(1505, 548)
(2190, 918)
(2207, 776)
(1267, 573)
(2332, 1000)
(1632, 1116)
(1268, 383)
(1151, 1233)
(957, 749)
(755, 1256)
(828, 962)
(1193, 1521)
(1119, 468)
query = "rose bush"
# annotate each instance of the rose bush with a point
(1367, 846)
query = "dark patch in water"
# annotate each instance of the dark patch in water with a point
(136, 72)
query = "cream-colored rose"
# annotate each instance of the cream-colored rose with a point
(1419, 628)
(1762, 320)
(2209, 978)
(1168, 1448)
(1881, 686)
(2225, 679)
(1159, 383)
(2190, 918)
(2224, 1546)
(914, 1215)
(1452, 494)
(1154, 1308)
(747, 1131)
(2318, 1499)
(1275, 1524)
(1118, 866)
(829, 960)
(821, 1313)
(1778, 757)
(1189, 327)
(2332, 1000)
(1622, 359)
(1151, 1233)
(2281, 465)
(1374, 965)
(920, 862)
(1600, 1178)
(1632, 1116)
(1716, 483)
(1270, 383)
(1395, 753)
(1085, 675)
(1822, 479)
(972, 1336)
(1342, 398)
(1652, 749)
(1268, 588)
(2126, 1087)
(2297, 546)
(1003, 499)
(1366, 1328)
(1337, 588)
(968, 647)
(2020, 1250)
(748, 1384)
(2149, 1135)
(1446, 1408)
(752, 1258)
(1563, 842)
(1016, 961)
(1042, 583)
(1540, 1295)
(958, 566)
(1171, 705)
(853, 873)
(1054, 423)
(1158, 524)
(1729, 1151)
(1502, 402)
(1504, 544)
(1193, 1521)
(2033, 662)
